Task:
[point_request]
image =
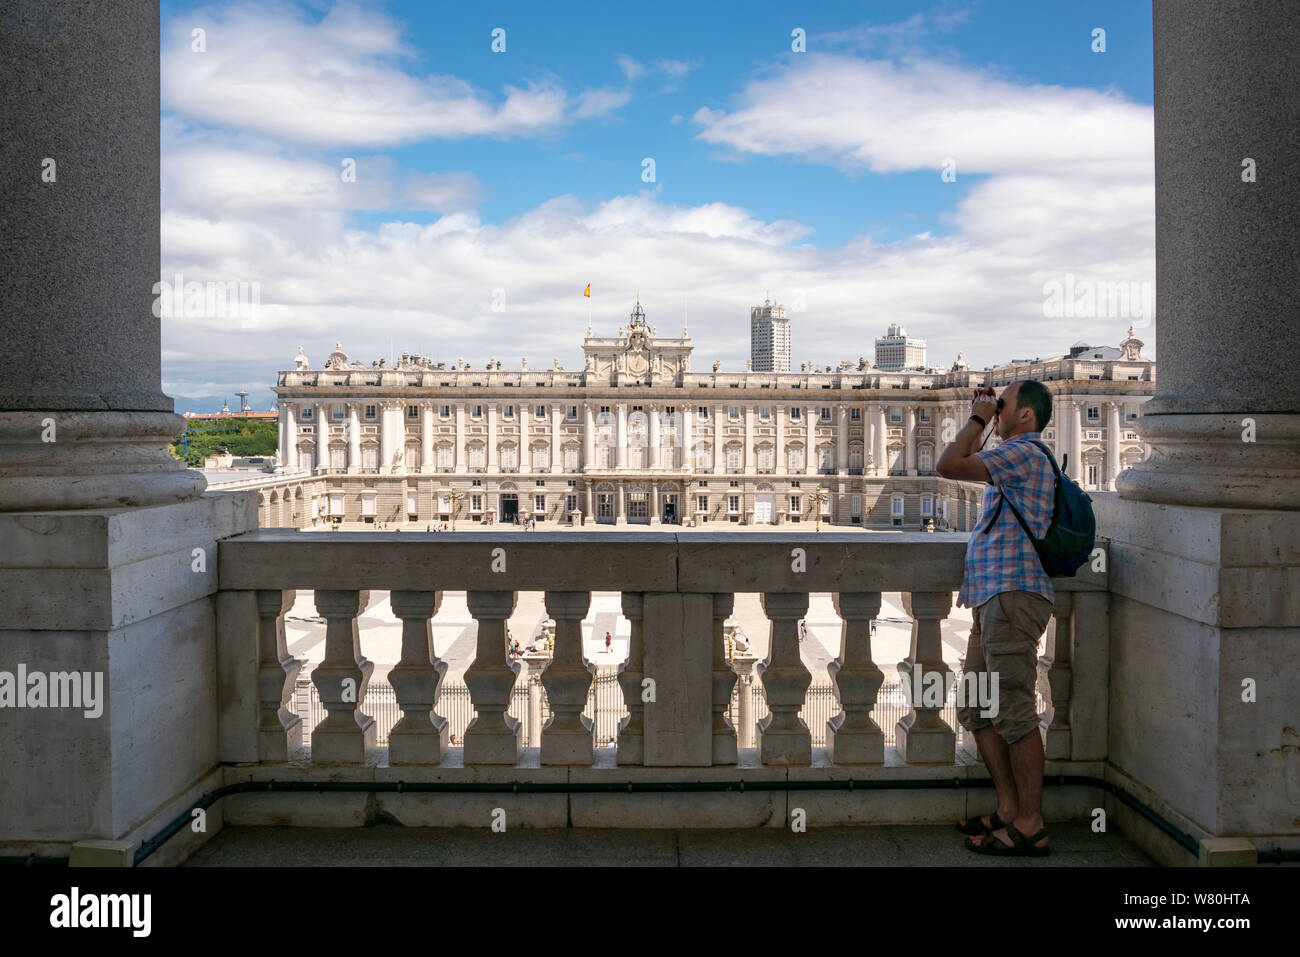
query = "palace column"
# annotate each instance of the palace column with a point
(1077, 471)
(621, 448)
(654, 435)
(882, 440)
(688, 438)
(426, 436)
(492, 462)
(842, 440)
(719, 438)
(1112, 446)
(354, 437)
(778, 465)
(909, 439)
(459, 455)
(288, 436)
(621, 517)
(810, 460)
(748, 459)
(557, 455)
(588, 443)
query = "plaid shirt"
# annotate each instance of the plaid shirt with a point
(1004, 559)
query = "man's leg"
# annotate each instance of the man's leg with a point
(998, 759)
(990, 744)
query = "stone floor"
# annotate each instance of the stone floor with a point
(1075, 845)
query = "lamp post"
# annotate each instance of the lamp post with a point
(456, 496)
(819, 498)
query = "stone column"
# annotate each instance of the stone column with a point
(621, 438)
(557, 451)
(83, 420)
(426, 436)
(492, 459)
(459, 456)
(344, 734)
(321, 412)
(354, 437)
(852, 736)
(810, 461)
(620, 517)
(778, 465)
(882, 440)
(420, 735)
(493, 736)
(1054, 674)
(279, 730)
(588, 439)
(566, 739)
(386, 438)
(288, 436)
(688, 438)
(724, 680)
(1077, 471)
(748, 459)
(590, 513)
(909, 439)
(783, 737)
(719, 439)
(1113, 435)
(842, 439)
(921, 735)
(653, 450)
(1224, 425)
(535, 668)
(631, 730)
(654, 503)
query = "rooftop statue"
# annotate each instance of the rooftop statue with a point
(717, 365)
(300, 360)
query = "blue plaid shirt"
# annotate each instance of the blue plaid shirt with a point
(1004, 559)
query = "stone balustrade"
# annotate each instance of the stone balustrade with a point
(678, 591)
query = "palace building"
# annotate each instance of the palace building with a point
(639, 437)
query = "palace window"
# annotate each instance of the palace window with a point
(855, 415)
(539, 503)
(825, 415)
(570, 503)
(412, 411)
(339, 411)
(733, 504)
(896, 507)
(1094, 413)
(794, 504)
(927, 507)
(476, 411)
(796, 413)
(896, 416)
(701, 503)
(571, 413)
(306, 414)
(476, 503)
(702, 412)
(733, 413)
(539, 413)
(925, 415)
(764, 413)
(370, 411)
(507, 411)
(444, 412)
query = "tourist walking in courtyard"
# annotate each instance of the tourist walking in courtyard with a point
(608, 641)
(1011, 599)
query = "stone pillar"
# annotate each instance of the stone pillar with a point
(493, 463)
(724, 680)
(83, 420)
(426, 436)
(810, 460)
(590, 513)
(842, 439)
(748, 459)
(688, 438)
(279, 730)
(354, 437)
(535, 668)
(1077, 471)
(745, 729)
(588, 441)
(654, 503)
(288, 436)
(882, 440)
(387, 438)
(621, 438)
(778, 465)
(631, 730)
(420, 735)
(921, 735)
(1054, 673)
(566, 739)
(783, 737)
(344, 734)
(1113, 435)
(459, 456)
(620, 516)
(653, 451)
(677, 722)
(557, 451)
(719, 439)
(493, 736)
(909, 439)
(852, 736)
(1227, 257)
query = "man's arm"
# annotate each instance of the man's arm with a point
(959, 460)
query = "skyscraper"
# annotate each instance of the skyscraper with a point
(896, 350)
(769, 338)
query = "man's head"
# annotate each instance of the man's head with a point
(1026, 407)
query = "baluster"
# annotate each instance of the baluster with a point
(1056, 662)
(921, 736)
(852, 736)
(631, 730)
(783, 737)
(344, 734)
(566, 739)
(493, 735)
(279, 729)
(724, 680)
(419, 736)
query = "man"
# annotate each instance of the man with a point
(1011, 598)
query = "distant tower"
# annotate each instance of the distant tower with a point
(896, 350)
(244, 407)
(769, 338)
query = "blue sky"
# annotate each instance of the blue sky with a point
(815, 175)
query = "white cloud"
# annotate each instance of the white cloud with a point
(630, 67)
(600, 102)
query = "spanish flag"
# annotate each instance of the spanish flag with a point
(587, 292)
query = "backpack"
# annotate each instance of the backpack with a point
(1073, 529)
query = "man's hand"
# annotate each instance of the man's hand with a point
(959, 460)
(985, 404)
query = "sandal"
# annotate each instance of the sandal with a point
(1021, 846)
(976, 825)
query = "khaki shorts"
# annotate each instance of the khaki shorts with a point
(1004, 642)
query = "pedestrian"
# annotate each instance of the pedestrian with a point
(608, 641)
(803, 630)
(1011, 599)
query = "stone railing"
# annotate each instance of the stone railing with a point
(677, 593)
